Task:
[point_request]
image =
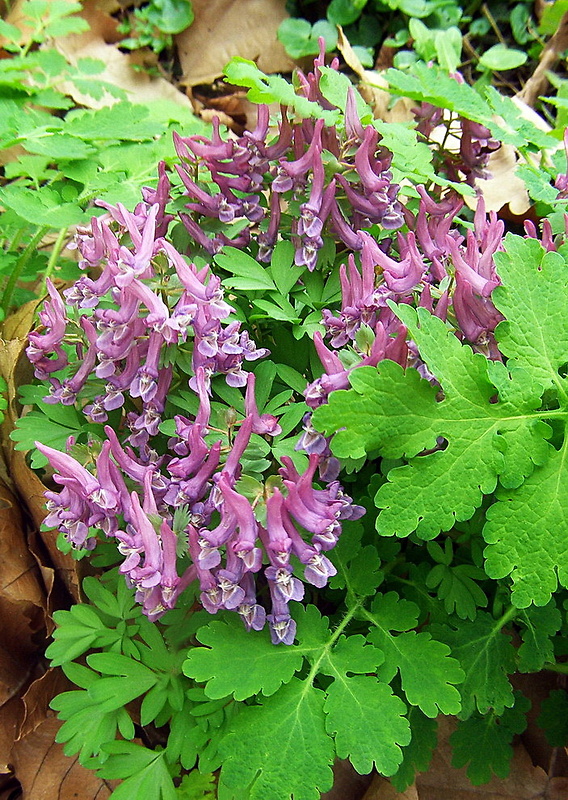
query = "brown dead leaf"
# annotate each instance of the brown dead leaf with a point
(382, 789)
(444, 782)
(11, 715)
(45, 773)
(347, 783)
(226, 28)
(139, 86)
(504, 187)
(374, 88)
(37, 698)
(19, 582)
(15, 369)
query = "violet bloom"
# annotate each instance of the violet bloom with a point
(54, 319)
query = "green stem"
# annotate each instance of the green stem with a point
(55, 253)
(20, 266)
(15, 243)
(562, 669)
(510, 614)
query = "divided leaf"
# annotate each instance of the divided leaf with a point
(487, 656)
(279, 748)
(417, 755)
(368, 723)
(427, 670)
(256, 664)
(484, 742)
(398, 414)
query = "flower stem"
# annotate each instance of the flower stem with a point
(55, 253)
(20, 266)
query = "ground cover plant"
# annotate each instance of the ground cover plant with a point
(299, 408)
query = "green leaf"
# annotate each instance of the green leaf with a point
(501, 57)
(301, 39)
(196, 786)
(279, 748)
(457, 589)
(487, 656)
(273, 88)
(251, 274)
(256, 664)
(345, 12)
(427, 671)
(124, 121)
(282, 267)
(368, 723)
(484, 743)
(43, 206)
(144, 771)
(540, 311)
(48, 427)
(538, 626)
(398, 414)
(87, 727)
(335, 86)
(553, 718)
(171, 16)
(418, 754)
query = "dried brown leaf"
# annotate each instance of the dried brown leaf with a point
(15, 369)
(374, 88)
(226, 28)
(382, 789)
(11, 715)
(37, 698)
(139, 86)
(19, 581)
(45, 773)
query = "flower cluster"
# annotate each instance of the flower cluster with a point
(254, 182)
(174, 507)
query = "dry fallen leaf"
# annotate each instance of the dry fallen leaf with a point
(37, 698)
(444, 782)
(15, 369)
(374, 88)
(382, 789)
(226, 28)
(120, 71)
(11, 715)
(45, 773)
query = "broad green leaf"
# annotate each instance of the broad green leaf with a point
(398, 414)
(418, 754)
(427, 670)
(553, 718)
(501, 57)
(256, 664)
(124, 121)
(534, 334)
(538, 625)
(487, 656)
(368, 723)
(301, 39)
(534, 555)
(484, 743)
(171, 16)
(279, 749)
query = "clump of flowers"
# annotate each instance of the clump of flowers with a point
(173, 507)
(337, 181)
